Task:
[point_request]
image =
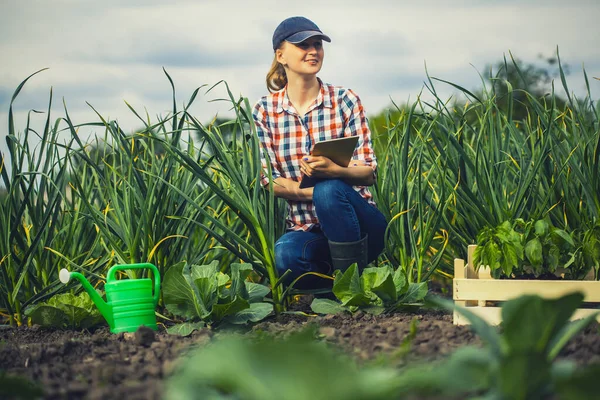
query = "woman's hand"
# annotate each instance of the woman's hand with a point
(357, 163)
(357, 173)
(319, 167)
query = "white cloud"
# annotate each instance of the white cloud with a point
(110, 51)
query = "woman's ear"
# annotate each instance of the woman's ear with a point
(279, 56)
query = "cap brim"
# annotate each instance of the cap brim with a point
(302, 36)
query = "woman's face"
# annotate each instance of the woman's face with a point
(304, 58)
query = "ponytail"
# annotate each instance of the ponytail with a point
(276, 77)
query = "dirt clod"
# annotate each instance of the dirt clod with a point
(144, 336)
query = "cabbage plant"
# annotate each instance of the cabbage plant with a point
(202, 294)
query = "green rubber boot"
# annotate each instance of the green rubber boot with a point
(344, 254)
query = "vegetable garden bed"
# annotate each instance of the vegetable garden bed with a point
(476, 289)
(98, 365)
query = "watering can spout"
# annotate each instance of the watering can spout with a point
(104, 308)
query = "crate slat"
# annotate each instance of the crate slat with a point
(506, 289)
(474, 289)
(493, 315)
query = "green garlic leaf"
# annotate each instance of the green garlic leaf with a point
(560, 238)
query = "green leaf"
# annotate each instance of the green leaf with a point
(553, 258)
(468, 370)
(591, 246)
(400, 281)
(204, 271)
(577, 383)
(380, 281)
(567, 332)
(91, 320)
(74, 314)
(327, 306)
(533, 251)
(256, 291)
(561, 238)
(239, 273)
(491, 256)
(178, 296)
(531, 322)
(48, 316)
(541, 227)
(269, 368)
(362, 300)
(416, 292)
(523, 375)
(66, 311)
(220, 311)
(208, 292)
(511, 259)
(256, 312)
(348, 284)
(185, 329)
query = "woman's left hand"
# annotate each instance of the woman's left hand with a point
(319, 167)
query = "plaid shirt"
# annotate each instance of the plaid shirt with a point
(287, 137)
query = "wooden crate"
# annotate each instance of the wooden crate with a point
(475, 289)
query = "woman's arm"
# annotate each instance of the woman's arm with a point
(356, 174)
(290, 190)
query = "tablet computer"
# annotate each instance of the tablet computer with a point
(338, 150)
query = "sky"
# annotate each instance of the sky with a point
(109, 52)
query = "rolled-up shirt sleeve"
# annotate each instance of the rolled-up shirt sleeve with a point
(259, 115)
(358, 125)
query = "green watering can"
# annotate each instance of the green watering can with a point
(129, 302)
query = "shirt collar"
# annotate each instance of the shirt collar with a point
(323, 98)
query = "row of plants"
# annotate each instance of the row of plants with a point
(481, 169)
(517, 364)
(177, 190)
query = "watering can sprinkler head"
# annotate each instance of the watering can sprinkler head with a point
(64, 276)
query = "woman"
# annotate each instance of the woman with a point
(335, 223)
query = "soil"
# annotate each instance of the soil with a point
(101, 365)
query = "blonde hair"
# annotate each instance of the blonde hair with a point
(276, 77)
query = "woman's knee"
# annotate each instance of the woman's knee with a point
(328, 192)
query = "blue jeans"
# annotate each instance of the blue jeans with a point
(344, 216)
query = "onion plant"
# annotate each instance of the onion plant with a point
(413, 206)
(233, 175)
(494, 166)
(36, 215)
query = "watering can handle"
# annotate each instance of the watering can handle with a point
(114, 269)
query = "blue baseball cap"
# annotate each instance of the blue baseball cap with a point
(296, 30)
